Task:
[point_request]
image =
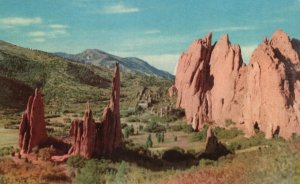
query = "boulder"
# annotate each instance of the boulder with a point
(172, 91)
(213, 148)
(211, 143)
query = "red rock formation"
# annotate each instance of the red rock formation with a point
(213, 148)
(99, 138)
(272, 97)
(211, 143)
(192, 80)
(32, 130)
(172, 91)
(84, 135)
(214, 85)
(109, 133)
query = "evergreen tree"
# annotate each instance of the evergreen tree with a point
(126, 132)
(131, 130)
(158, 137)
(149, 142)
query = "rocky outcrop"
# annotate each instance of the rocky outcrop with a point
(272, 97)
(32, 130)
(172, 91)
(92, 138)
(213, 148)
(84, 134)
(193, 80)
(211, 143)
(214, 85)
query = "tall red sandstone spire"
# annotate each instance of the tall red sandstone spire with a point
(32, 130)
(111, 133)
(84, 133)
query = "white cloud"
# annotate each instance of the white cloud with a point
(165, 62)
(41, 36)
(135, 43)
(59, 31)
(152, 31)
(20, 21)
(36, 34)
(247, 51)
(231, 29)
(119, 8)
(38, 40)
(58, 26)
(5, 27)
(55, 33)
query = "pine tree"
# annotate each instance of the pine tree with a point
(126, 132)
(131, 130)
(149, 142)
(158, 137)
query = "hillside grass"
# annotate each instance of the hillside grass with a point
(65, 83)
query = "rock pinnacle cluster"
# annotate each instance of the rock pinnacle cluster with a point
(99, 138)
(90, 138)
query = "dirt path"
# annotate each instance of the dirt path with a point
(254, 148)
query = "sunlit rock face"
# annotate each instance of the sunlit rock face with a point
(214, 85)
(32, 129)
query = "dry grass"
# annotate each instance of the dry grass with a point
(9, 137)
(27, 172)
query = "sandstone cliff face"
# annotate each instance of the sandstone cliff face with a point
(32, 130)
(272, 96)
(92, 138)
(193, 81)
(214, 85)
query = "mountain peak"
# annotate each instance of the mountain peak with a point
(130, 64)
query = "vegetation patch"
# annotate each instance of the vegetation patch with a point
(154, 127)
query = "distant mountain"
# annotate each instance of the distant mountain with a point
(129, 64)
(63, 82)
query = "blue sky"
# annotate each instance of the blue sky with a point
(154, 30)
